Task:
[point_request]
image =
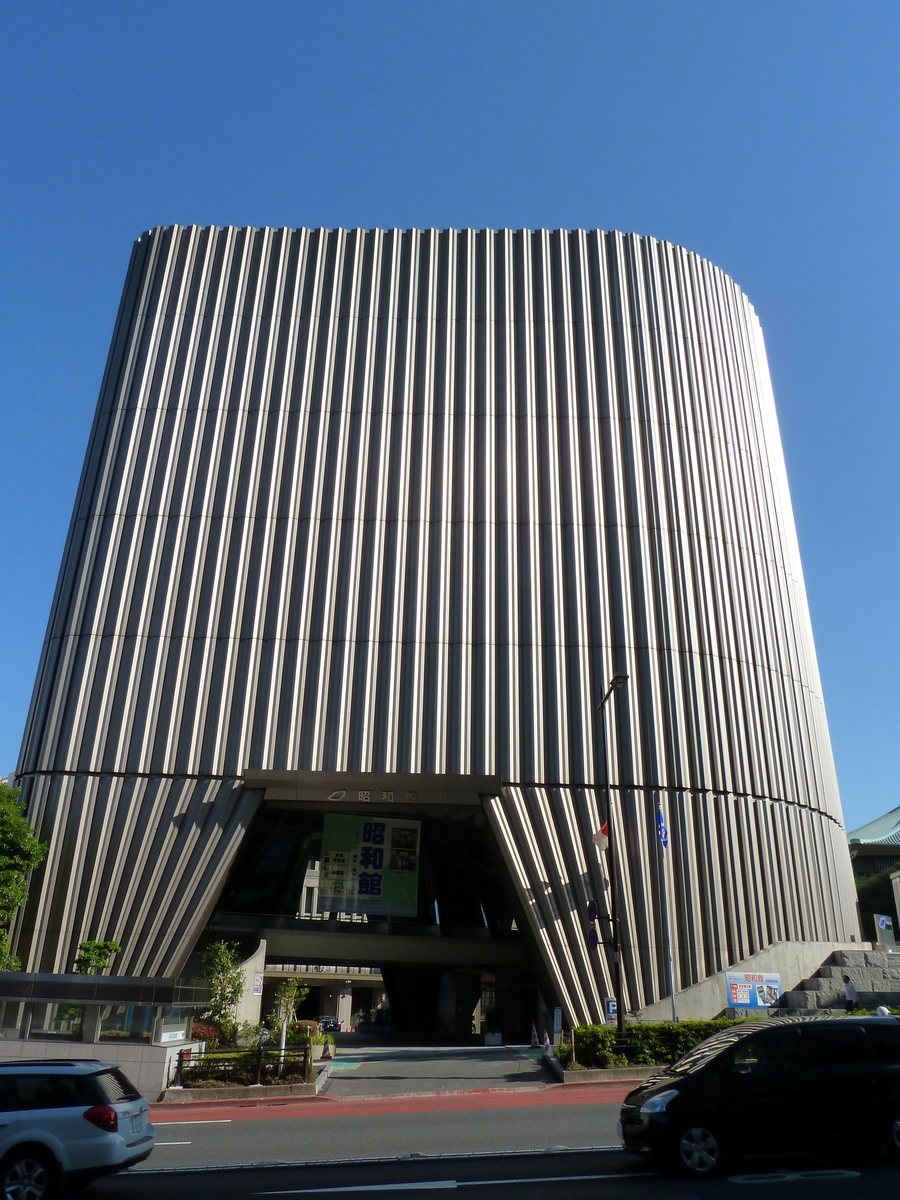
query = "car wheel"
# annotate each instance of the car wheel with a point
(698, 1150)
(29, 1174)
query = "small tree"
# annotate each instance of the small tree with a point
(93, 957)
(288, 994)
(221, 965)
(20, 852)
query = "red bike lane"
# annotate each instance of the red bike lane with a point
(293, 1108)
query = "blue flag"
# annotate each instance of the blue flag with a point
(663, 832)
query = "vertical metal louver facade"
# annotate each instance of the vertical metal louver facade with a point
(402, 501)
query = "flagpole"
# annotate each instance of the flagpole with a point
(618, 680)
(664, 898)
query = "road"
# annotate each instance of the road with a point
(562, 1175)
(335, 1130)
(417, 1121)
(389, 1103)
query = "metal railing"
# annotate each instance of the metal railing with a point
(319, 969)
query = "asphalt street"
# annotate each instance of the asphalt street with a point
(329, 1130)
(561, 1175)
(392, 1103)
(418, 1121)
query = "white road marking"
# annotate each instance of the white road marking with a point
(767, 1177)
(427, 1185)
(173, 1143)
(211, 1121)
(453, 1184)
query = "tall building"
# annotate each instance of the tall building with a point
(367, 521)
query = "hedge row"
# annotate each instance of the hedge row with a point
(647, 1042)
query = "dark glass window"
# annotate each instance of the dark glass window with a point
(9, 1100)
(775, 1053)
(460, 883)
(885, 1041)
(54, 1091)
(832, 1046)
(713, 1048)
(116, 1086)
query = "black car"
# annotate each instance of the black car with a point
(329, 1025)
(801, 1086)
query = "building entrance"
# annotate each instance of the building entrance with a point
(417, 890)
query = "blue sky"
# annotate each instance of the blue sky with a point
(764, 136)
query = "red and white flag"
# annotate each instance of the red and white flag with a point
(601, 838)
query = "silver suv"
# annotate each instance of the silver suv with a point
(67, 1121)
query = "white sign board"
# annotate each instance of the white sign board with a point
(749, 989)
(884, 930)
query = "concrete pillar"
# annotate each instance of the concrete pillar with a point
(345, 1005)
(330, 998)
(25, 1027)
(90, 1026)
(445, 1015)
(249, 1006)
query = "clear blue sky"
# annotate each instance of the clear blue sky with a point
(764, 136)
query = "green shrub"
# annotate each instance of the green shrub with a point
(302, 1039)
(593, 1042)
(647, 1042)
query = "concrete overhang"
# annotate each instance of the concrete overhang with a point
(392, 949)
(336, 789)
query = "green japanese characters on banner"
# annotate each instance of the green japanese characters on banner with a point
(369, 865)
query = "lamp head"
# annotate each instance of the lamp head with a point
(619, 679)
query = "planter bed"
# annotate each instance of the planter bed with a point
(265, 1091)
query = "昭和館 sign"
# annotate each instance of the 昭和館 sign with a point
(750, 990)
(369, 865)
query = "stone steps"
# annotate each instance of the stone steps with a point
(874, 973)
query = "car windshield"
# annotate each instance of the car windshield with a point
(697, 1058)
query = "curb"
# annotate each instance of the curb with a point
(610, 1075)
(253, 1093)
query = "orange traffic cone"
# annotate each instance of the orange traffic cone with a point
(326, 1053)
(535, 1044)
(546, 1044)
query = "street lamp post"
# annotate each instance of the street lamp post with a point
(618, 680)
